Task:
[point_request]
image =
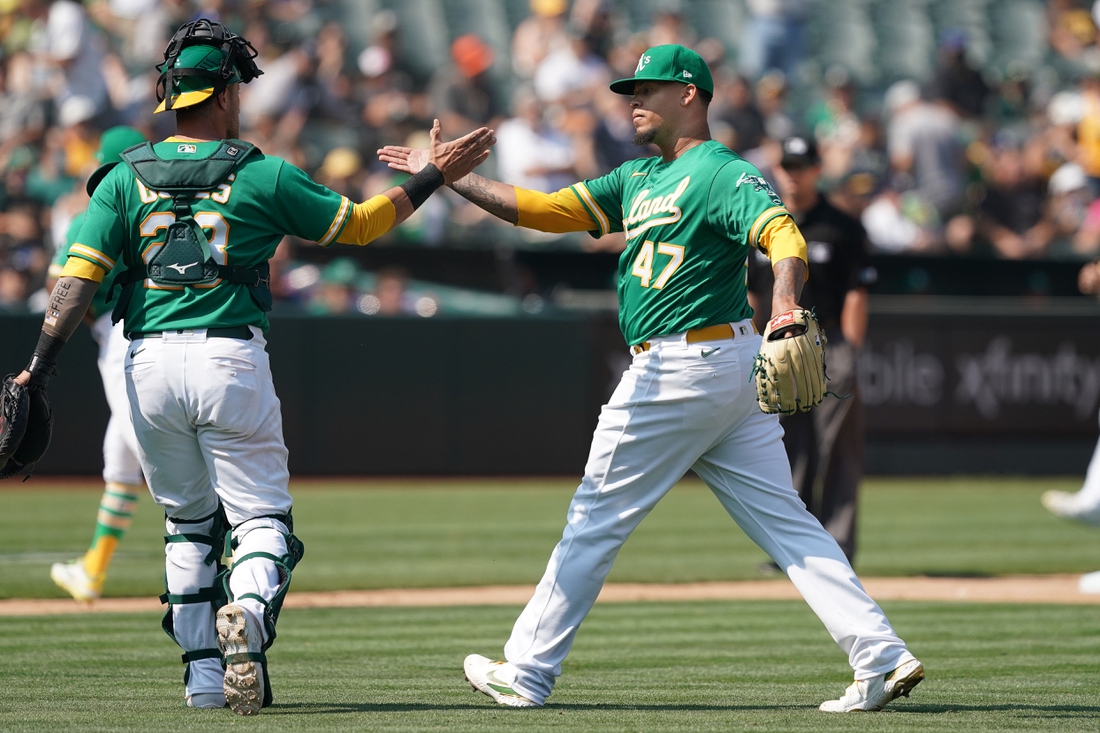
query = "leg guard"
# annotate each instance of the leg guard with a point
(264, 552)
(193, 550)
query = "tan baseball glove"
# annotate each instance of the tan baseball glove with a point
(790, 372)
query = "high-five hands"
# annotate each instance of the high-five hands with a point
(454, 159)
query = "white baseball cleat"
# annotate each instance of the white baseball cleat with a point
(74, 580)
(495, 680)
(873, 694)
(206, 700)
(1068, 506)
(240, 638)
(1089, 583)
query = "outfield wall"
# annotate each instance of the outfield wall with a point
(951, 385)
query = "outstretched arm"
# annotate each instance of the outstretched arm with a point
(558, 212)
(441, 164)
(499, 199)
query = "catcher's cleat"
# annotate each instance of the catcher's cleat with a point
(206, 700)
(240, 639)
(74, 580)
(1068, 506)
(873, 694)
(495, 680)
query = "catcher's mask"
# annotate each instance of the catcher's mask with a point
(202, 59)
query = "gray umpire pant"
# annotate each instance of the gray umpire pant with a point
(825, 448)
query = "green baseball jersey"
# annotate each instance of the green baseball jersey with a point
(244, 219)
(99, 302)
(689, 224)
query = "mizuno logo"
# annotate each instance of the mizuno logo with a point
(182, 269)
(707, 352)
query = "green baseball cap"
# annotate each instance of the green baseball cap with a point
(115, 140)
(190, 90)
(671, 62)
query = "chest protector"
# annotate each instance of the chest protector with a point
(185, 257)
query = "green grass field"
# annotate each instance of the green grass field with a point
(424, 534)
(635, 667)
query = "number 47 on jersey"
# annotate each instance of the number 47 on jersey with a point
(643, 263)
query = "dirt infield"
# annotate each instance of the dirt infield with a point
(1010, 589)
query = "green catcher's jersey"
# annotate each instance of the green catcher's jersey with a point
(245, 218)
(689, 224)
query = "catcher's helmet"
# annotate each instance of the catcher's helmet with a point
(202, 59)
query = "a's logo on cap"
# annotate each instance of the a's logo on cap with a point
(186, 149)
(797, 146)
(642, 61)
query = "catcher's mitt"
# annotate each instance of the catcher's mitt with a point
(26, 425)
(790, 372)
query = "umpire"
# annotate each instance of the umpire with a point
(825, 445)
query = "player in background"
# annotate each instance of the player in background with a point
(194, 219)
(690, 217)
(1083, 505)
(825, 445)
(83, 578)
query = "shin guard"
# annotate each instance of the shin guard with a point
(264, 552)
(193, 550)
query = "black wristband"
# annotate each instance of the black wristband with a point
(43, 363)
(423, 184)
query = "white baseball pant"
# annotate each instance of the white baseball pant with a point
(1088, 497)
(687, 406)
(120, 449)
(209, 428)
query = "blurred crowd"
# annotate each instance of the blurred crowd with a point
(977, 156)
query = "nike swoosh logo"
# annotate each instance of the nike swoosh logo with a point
(499, 686)
(707, 352)
(635, 174)
(135, 352)
(181, 269)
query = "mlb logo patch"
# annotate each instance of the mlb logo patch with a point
(187, 148)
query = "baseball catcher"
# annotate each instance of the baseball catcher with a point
(790, 368)
(193, 220)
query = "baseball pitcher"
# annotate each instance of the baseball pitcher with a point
(687, 401)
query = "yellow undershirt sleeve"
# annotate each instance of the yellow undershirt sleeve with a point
(368, 221)
(781, 239)
(552, 212)
(77, 267)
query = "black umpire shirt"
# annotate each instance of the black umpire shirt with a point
(836, 246)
